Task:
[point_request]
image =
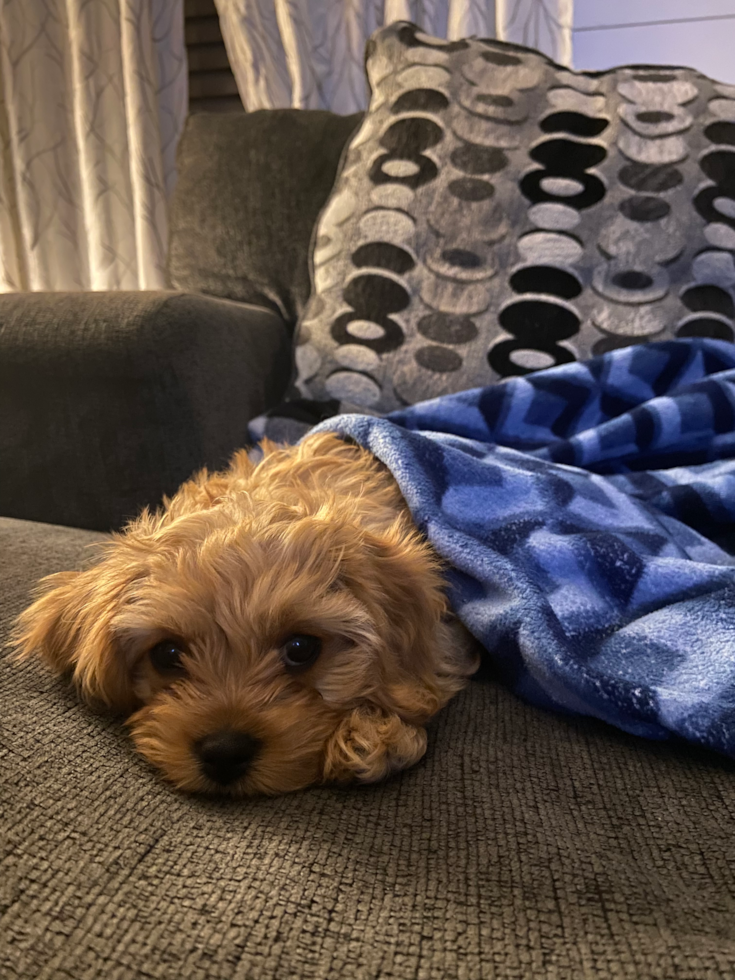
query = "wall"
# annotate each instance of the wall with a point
(696, 33)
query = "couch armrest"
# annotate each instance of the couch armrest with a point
(110, 400)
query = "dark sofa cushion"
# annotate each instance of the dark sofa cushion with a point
(526, 845)
(250, 187)
(110, 400)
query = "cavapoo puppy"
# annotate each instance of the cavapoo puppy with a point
(273, 626)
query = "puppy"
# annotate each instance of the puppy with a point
(273, 626)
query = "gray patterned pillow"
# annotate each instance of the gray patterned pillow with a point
(497, 213)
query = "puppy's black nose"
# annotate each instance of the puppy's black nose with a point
(226, 755)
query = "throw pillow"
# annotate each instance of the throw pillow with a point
(497, 213)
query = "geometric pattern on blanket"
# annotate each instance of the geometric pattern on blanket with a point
(578, 510)
(497, 213)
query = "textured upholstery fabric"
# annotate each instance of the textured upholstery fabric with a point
(249, 190)
(110, 400)
(496, 213)
(525, 846)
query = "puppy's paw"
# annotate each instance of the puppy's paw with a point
(369, 745)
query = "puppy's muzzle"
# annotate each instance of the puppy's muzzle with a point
(226, 756)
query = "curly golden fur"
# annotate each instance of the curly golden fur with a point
(312, 551)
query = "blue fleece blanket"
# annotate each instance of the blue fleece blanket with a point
(585, 512)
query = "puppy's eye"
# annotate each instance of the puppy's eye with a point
(166, 656)
(301, 650)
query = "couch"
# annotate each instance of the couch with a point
(525, 845)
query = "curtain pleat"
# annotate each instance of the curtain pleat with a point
(309, 54)
(542, 24)
(93, 97)
(468, 17)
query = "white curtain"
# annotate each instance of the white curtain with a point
(309, 53)
(93, 97)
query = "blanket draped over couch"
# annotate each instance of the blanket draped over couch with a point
(584, 512)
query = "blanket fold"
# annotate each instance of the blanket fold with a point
(585, 512)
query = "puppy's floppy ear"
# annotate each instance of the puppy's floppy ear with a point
(369, 745)
(68, 626)
(398, 577)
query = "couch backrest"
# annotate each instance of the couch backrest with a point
(250, 187)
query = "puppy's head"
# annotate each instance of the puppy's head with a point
(275, 626)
